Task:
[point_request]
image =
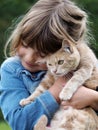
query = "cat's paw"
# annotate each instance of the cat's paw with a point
(24, 102)
(65, 94)
(41, 124)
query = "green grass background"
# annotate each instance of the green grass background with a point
(4, 126)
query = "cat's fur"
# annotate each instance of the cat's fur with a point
(80, 60)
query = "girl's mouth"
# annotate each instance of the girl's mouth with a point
(30, 64)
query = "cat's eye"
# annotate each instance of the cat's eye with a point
(49, 64)
(60, 62)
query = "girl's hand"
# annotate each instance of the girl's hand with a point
(57, 87)
(82, 98)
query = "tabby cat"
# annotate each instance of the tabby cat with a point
(81, 61)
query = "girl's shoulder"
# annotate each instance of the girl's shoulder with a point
(12, 63)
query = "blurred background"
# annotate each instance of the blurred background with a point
(11, 12)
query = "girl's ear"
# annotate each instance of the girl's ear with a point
(67, 46)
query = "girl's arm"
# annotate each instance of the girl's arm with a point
(82, 98)
(12, 90)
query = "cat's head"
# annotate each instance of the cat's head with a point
(64, 60)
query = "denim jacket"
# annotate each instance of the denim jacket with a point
(17, 83)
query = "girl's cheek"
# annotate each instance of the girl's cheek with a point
(44, 66)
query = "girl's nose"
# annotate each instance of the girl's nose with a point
(31, 57)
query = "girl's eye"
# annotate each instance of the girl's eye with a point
(60, 62)
(43, 55)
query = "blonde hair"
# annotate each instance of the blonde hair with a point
(47, 23)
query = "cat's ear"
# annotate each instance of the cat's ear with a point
(67, 46)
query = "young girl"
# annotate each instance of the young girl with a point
(40, 33)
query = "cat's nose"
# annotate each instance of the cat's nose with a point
(54, 71)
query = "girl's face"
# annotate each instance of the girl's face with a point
(30, 59)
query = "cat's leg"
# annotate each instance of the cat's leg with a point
(41, 124)
(79, 77)
(92, 82)
(68, 90)
(24, 102)
(43, 86)
(40, 89)
(71, 86)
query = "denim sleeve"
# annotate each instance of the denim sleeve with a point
(12, 91)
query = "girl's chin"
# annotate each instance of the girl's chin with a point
(34, 68)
